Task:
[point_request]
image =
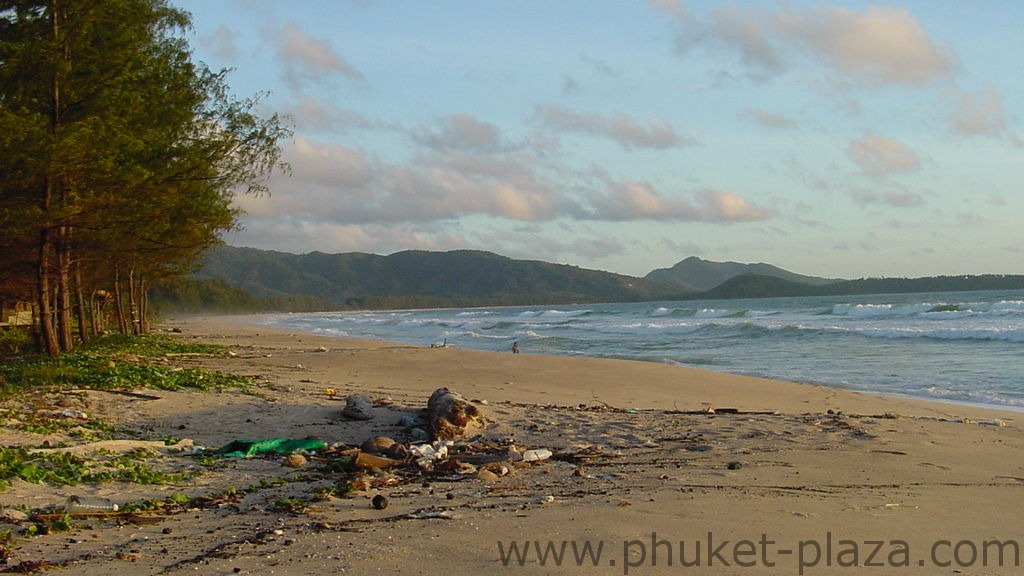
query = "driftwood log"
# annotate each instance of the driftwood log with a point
(449, 415)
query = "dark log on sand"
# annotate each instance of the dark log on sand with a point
(449, 415)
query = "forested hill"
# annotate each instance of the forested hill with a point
(698, 275)
(756, 286)
(420, 278)
(246, 279)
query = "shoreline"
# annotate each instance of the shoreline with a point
(251, 321)
(637, 468)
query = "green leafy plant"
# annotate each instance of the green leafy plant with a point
(291, 505)
(118, 362)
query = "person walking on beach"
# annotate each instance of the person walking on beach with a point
(515, 347)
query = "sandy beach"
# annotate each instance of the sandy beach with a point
(654, 469)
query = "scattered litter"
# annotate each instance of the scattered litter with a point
(368, 461)
(358, 407)
(248, 448)
(536, 455)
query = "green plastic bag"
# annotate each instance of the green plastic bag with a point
(246, 448)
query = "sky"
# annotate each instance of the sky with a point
(843, 139)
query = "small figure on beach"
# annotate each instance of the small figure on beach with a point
(440, 344)
(515, 347)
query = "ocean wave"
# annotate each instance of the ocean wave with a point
(553, 313)
(977, 333)
(717, 313)
(986, 397)
(943, 311)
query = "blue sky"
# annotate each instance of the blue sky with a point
(841, 139)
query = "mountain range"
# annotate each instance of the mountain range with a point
(701, 275)
(264, 279)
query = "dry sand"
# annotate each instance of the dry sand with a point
(802, 480)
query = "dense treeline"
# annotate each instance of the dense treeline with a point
(215, 295)
(119, 158)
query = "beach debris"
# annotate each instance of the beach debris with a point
(358, 407)
(450, 415)
(380, 502)
(249, 448)
(294, 460)
(378, 444)
(397, 451)
(486, 475)
(69, 413)
(536, 455)
(13, 515)
(88, 505)
(997, 422)
(366, 460)
(734, 465)
(427, 455)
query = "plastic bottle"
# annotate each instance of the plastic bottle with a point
(88, 505)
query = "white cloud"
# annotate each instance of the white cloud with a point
(878, 155)
(750, 32)
(894, 198)
(769, 119)
(634, 200)
(464, 132)
(314, 116)
(332, 182)
(875, 47)
(306, 59)
(221, 42)
(978, 114)
(623, 129)
(882, 45)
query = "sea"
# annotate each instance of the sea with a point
(962, 347)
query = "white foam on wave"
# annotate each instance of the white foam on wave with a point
(652, 328)
(1008, 307)
(714, 313)
(994, 333)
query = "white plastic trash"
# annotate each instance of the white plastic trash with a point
(536, 455)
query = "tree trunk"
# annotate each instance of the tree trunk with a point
(133, 311)
(43, 294)
(64, 329)
(122, 320)
(80, 305)
(143, 308)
